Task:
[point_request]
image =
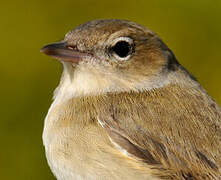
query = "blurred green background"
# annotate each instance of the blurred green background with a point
(191, 28)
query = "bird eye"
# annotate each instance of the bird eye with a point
(123, 48)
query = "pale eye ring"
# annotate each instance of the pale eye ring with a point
(122, 48)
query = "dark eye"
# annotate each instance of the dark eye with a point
(123, 48)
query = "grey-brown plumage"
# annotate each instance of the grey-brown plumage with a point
(126, 109)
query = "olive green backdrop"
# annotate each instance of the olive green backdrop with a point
(191, 28)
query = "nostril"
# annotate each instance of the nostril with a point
(71, 47)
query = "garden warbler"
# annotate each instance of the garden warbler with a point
(126, 109)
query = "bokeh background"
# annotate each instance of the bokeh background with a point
(191, 28)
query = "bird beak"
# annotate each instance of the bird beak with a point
(63, 52)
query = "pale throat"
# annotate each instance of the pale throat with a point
(90, 81)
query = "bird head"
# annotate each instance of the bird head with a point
(112, 55)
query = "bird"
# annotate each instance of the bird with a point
(126, 108)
